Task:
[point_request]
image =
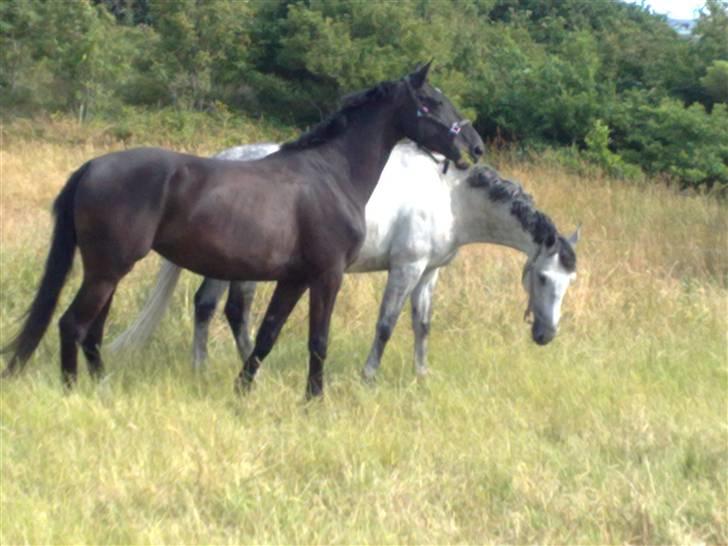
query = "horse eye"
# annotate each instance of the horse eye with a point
(542, 278)
(430, 102)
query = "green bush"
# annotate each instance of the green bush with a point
(689, 144)
(715, 81)
(598, 152)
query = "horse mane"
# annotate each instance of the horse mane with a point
(523, 208)
(337, 123)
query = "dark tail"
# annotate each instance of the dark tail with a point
(58, 265)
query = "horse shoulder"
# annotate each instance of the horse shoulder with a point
(329, 219)
(427, 226)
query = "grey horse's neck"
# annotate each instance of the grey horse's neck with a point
(499, 211)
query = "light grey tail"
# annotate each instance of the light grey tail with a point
(151, 315)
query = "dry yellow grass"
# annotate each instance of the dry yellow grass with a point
(614, 433)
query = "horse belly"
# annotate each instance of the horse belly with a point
(235, 230)
(233, 249)
(235, 260)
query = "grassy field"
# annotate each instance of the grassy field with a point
(617, 432)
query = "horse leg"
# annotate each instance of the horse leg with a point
(206, 298)
(322, 299)
(91, 344)
(421, 317)
(237, 311)
(284, 299)
(90, 300)
(400, 282)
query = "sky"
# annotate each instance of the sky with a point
(675, 9)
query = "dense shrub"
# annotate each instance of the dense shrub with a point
(610, 81)
(687, 143)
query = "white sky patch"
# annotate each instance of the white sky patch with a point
(675, 9)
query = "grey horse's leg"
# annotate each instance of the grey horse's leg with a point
(421, 317)
(206, 298)
(237, 311)
(400, 283)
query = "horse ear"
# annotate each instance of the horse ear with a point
(419, 76)
(574, 237)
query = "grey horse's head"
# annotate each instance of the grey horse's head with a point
(546, 277)
(551, 268)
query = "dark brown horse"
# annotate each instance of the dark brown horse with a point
(296, 216)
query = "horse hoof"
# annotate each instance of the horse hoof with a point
(69, 383)
(313, 396)
(314, 391)
(12, 369)
(243, 385)
(369, 376)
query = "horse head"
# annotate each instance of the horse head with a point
(431, 120)
(546, 277)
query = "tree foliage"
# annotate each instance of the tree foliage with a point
(607, 77)
(715, 81)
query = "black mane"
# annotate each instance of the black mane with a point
(535, 222)
(336, 123)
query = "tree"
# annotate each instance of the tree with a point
(712, 32)
(63, 54)
(201, 49)
(715, 81)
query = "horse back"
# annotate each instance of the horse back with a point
(220, 218)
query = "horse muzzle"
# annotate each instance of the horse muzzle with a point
(467, 142)
(468, 157)
(541, 333)
(476, 152)
(463, 163)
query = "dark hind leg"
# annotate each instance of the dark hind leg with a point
(237, 311)
(91, 344)
(76, 322)
(206, 298)
(285, 297)
(322, 299)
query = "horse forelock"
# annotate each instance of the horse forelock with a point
(336, 123)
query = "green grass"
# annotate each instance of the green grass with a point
(616, 432)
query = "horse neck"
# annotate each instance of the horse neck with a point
(480, 220)
(365, 146)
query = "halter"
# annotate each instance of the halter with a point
(444, 162)
(424, 112)
(526, 270)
